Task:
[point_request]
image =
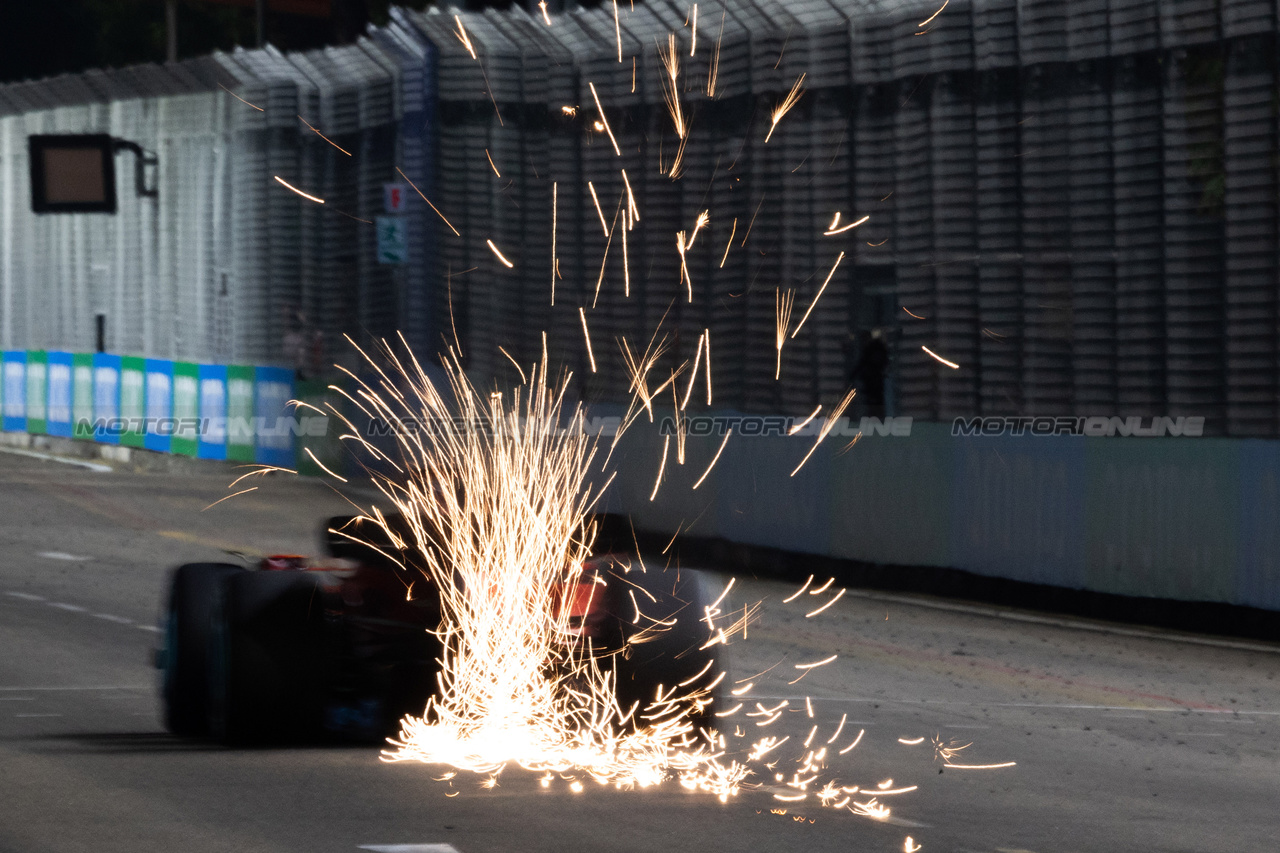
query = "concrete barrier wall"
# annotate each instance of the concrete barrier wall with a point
(1192, 519)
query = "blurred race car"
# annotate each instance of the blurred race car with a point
(299, 650)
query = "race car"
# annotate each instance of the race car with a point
(293, 649)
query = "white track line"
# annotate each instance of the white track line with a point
(48, 457)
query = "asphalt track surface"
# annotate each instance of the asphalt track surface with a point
(1124, 740)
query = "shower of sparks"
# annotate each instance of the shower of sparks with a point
(428, 201)
(240, 99)
(671, 95)
(506, 263)
(782, 305)
(715, 459)
(462, 37)
(604, 119)
(940, 359)
(491, 165)
(291, 187)
(792, 98)
(827, 426)
(817, 296)
(835, 227)
(703, 218)
(929, 19)
(586, 334)
(322, 136)
(496, 516)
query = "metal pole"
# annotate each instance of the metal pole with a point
(171, 30)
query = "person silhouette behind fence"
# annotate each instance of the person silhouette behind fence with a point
(868, 374)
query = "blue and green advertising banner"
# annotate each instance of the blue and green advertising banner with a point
(159, 422)
(58, 414)
(37, 377)
(273, 417)
(212, 440)
(15, 391)
(106, 398)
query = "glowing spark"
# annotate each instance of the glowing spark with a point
(825, 606)
(290, 186)
(940, 359)
(693, 374)
(604, 226)
(893, 791)
(322, 136)
(462, 36)
(626, 259)
(808, 707)
(856, 741)
(817, 296)
(604, 119)
(821, 589)
(703, 218)
(240, 99)
(910, 741)
(617, 29)
(729, 713)
(693, 47)
(569, 111)
(320, 465)
(681, 247)
(587, 335)
(428, 201)
(631, 199)
(839, 728)
(816, 664)
(785, 107)
(833, 230)
(929, 19)
(981, 766)
(917, 316)
(491, 166)
(542, 5)
(827, 427)
(554, 213)
(229, 497)
(524, 380)
(506, 263)
(741, 690)
(910, 846)
(782, 318)
(706, 333)
(576, 787)
(729, 245)
(666, 444)
(715, 458)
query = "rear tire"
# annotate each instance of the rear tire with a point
(267, 657)
(184, 658)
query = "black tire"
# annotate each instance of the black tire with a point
(266, 653)
(184, 657)
(675, 655)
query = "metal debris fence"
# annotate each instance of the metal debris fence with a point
(1078, 199)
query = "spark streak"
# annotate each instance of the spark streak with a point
(582, 314)
(604, 119)
(506, 263)
(929, 19)
(833, 230)
(428, 201)
(715, 458)
(462, 37)
(817, 296)
(827, 427)
(554, 213)
(322, 136)
(290, 186)
(980, 766)
(662, 466)
(785, 107)
(940, 359)
(240, 99)
(782, 306)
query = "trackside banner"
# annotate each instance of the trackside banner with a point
(213, 411)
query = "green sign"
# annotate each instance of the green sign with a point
(37, 378)
(240, 437)
(186, 408)
(133, 398)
